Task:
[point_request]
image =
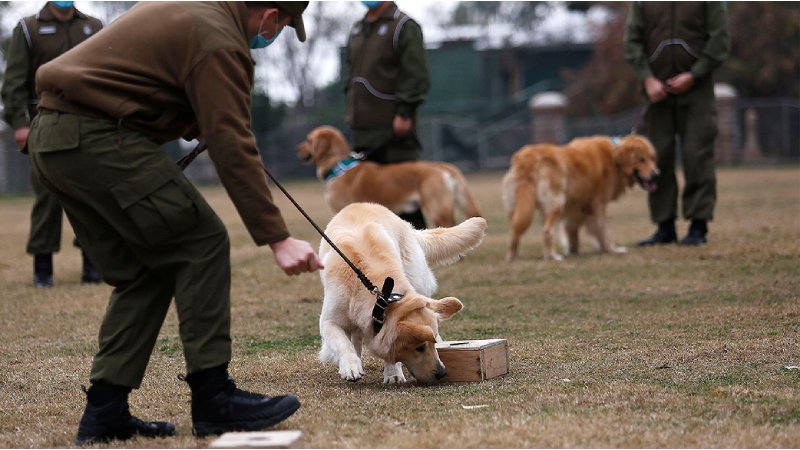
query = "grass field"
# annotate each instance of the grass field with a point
(660, 347)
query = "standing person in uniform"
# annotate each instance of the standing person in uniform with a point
(386, 81)
(159, 72)
(36, 40)
(674, 47)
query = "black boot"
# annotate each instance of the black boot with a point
(90, 274)
(415, 218)
(43, 270)
(218, 406)
(107, 417)
(697, 233)
(665, 234)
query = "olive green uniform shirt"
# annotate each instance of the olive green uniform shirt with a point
(667, 38)
(386, 74)
(37, 40)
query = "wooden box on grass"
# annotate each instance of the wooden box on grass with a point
(473, 360)
(260, 439)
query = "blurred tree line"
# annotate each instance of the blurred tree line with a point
(765, 57)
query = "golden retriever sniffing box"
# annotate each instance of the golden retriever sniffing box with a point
(439, 188)
(382, 245)
(571, 186)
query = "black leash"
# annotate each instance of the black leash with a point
(385, 296)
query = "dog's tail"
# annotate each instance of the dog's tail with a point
(519, 201)
(464, 200)
(444, 246)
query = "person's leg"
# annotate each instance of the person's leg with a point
(83, 169)
(663, 202)
(698, 132)
(44, 237)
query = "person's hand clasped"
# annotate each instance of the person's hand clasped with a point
(680, 83)
(295, 256)
(656, 90)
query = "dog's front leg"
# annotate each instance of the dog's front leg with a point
(337, 346)
(393, 373)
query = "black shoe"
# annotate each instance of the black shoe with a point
(218, 406)
(697, 233)
(107, 417)
(665, 234)
(90, 274)
(43, 270)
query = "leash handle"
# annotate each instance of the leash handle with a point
(189, 157)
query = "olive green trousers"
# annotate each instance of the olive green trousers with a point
(150, 234)
(690, 119)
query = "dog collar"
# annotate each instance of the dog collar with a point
(385, 298)
(340, 168)
(615, 141)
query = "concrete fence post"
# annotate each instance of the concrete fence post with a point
(548, 118)
(727, 138)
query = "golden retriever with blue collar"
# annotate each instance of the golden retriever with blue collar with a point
(439, 189)
(572, 185)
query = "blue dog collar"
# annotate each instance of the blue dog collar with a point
(340, 168)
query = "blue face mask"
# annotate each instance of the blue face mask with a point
(371, 5)
(63, 5)
(259, 41)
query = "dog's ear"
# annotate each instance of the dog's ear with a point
(418, 333)
(625, 153)
(446, 307)
(320, 144)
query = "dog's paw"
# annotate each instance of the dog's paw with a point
(351, 370)
(620, 249)
(394, 379)
(393, 373)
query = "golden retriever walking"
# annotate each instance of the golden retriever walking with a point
(384, 245)
(439, 188)
(572, 185)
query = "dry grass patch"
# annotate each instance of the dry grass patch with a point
(660, 347)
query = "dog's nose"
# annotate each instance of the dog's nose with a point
(441, 372)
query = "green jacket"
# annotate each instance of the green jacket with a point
(37, 40)
(664, 39)
(171, 70)
(386, 70)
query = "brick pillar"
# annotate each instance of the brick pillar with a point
(548, 118)
(726, 143)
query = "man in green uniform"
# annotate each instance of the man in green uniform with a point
(159, 72)
(36, 40)
(386, 80)
(674, 48)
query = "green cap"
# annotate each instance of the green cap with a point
(295, 10)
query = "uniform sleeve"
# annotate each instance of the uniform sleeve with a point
(718, 46)
(633, 42)
(218, 88)
(15, 90)
(413, 79)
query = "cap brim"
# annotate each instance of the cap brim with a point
(299, 27)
